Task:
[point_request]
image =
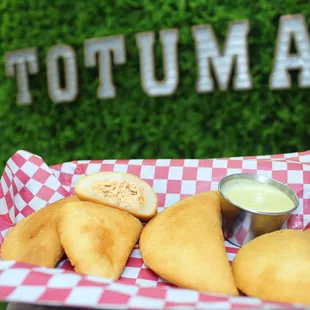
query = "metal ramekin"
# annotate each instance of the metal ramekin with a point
(243, 225)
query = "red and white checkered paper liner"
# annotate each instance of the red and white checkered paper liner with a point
(28, 184)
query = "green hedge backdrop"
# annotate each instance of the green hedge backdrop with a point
(133, 125)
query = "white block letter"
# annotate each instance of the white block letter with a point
(291, 27)
(235, 51)
(145, 42)
(104, 47)
(56, 92)
(16, 63)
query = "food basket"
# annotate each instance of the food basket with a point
(28, 184)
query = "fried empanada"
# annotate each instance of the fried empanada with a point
(98, 239)
(35, 240)
(184, 245)
(120, 190)
(275, 266)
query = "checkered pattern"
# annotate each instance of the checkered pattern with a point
(28, 184)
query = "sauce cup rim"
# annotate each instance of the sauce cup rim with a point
(289, 192)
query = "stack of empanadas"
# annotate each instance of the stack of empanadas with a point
(97, 237)
(99, 227)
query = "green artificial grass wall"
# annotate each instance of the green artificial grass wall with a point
(134, 125)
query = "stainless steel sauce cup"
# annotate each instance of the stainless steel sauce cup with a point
(241, 224)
